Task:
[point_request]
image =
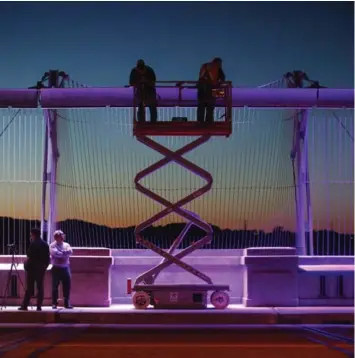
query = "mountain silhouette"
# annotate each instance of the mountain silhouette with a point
(85, 234)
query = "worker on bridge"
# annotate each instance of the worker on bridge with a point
(300, 79)
(143, 79)
(210, 77)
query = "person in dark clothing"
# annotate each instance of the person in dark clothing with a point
(211, 74)
(300, 79)
(143, 79)
(38, 259)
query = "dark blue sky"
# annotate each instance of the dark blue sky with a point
(98, 43)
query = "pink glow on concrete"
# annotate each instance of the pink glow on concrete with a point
(91, 251)
(100, 276)
(234, 308)
(91, 279)
(270, 280)
(329, 268)
(126, 315)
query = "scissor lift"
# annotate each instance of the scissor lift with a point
(179, 296)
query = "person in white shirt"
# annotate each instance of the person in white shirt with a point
(60, 252)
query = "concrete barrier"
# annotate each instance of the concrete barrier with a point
(257, 276)
(270, 277)
(224, 270)
(326, 285)
(91, 279)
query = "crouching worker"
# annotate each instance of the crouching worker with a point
(143, 79)
(60, 253)
(300, 79)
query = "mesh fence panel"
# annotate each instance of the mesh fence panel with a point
(21, 160)
(252, 194)
(331, 181)
(251, 203)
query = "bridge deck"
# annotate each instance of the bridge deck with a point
(51, 341)
(233, 315)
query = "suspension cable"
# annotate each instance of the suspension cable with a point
(343, 126)
(273, 84)
(8, 124)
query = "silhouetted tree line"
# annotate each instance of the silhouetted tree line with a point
(84, 234)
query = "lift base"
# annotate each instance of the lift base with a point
(179, 296)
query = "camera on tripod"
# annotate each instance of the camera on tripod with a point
(13, 279)
(12, 248)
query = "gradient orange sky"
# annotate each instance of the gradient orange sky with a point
(252, 171)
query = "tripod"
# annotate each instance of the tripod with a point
(9, 288)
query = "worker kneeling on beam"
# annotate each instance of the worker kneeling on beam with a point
(143, 79)
(211, 75)
(299, 79)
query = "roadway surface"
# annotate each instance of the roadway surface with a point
(69, 341)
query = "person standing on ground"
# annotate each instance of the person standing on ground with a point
(35, 266)
(60, 252)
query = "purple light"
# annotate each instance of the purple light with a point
(173, 96)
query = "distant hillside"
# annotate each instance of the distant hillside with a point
(84, 234)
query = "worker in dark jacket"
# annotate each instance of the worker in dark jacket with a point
(143, 79)
(38, 259)
(211, 75)
(300, 79)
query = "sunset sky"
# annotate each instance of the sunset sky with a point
(99, 44)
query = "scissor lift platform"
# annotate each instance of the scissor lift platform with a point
(180, 296)
(216, 129)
